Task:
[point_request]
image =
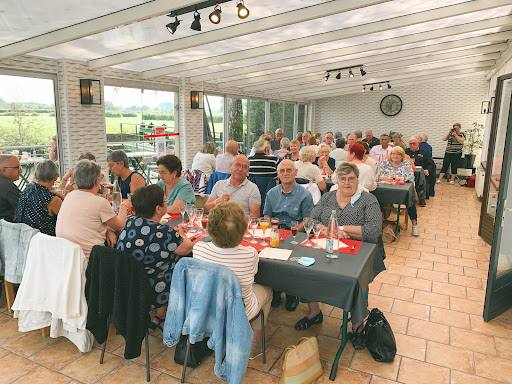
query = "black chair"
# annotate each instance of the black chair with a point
(264, 185)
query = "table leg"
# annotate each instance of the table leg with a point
(344, 339)
(397, 229)
(24, 177)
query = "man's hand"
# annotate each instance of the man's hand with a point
(426, 172)
(224, 198)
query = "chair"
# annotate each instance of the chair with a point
(214, 177)
(264, 185)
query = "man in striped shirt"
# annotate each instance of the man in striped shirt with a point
(261, 164)
(453, 153)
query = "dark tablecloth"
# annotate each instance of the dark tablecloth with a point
(394, 194)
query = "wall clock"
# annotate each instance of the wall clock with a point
(391, 105)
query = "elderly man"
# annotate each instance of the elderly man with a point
(288, 202)
(329, 140)
(431, 180)
(358, 134)
(237, 188)
(379, 152)
(275, 144)
(223, 161)
(324, 161)
(371, 140)
(423, 138)
(10, 170)
(351, 139)
(261, 164)
(129, 181)
(421, 158)
(339, 154)
(305, 137)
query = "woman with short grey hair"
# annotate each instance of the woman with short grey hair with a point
(39, 204)
(128, 180)
(85, 218)
(283, 151)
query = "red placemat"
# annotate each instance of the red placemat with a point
(350, 243)
(169, 217)
(247, 241)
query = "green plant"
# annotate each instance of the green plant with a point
(474, 139)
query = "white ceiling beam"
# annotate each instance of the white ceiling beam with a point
(505, 57)
(355, 49)
(246, 28)
(90, 27)
(319, 70)
(358, 30)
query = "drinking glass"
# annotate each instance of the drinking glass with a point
(183, 209)
(317, 226)
(264, 223)
(198, 216)
(190, 209)
(295, 228)
(204, 223)
(275, 222)
(254, 225)
(248, 220)
(308, 226)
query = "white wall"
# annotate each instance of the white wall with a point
(430, 108)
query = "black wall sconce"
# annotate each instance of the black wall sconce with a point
(485, 107)
(90, 91)
(196, 99)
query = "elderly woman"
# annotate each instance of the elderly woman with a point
(323, 161)
(204, 161)
(367, 159)
(396, 168)
(312, 143)
(177, 190)
(155, 245)
(283, 152)
(359, 214)
(39, 206)
(84, 217)
(307, 170)
(294, 150)
(397, 141)
(68, 181)
(366, 174)
(128, 180)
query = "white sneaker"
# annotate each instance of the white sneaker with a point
(415, 230)
(452, 182)
(438, 181)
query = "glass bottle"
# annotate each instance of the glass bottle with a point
(332, 238)
(116, 197)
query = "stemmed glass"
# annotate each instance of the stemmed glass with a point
(295, 228)
(190, 209)
(308, 226)
(198, 216)
(264, 223)
(254, 225)
(183, 209)
(317, 227)
(248, 220)
(204, 223)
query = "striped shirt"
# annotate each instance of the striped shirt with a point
(263, 165)
(243, 261)
(453, 146)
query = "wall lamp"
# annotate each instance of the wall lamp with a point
(90, 91)
(196, 99)
(350, 73)
(214, 17)
(379, 84)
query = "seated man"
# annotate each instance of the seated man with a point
(339, 154)
(129, 181)
(236, 188)
(371, 140)
(288, 202)
(379, 152)
(261, 164)
(10, 170)
(421, 158)
(223, 161)
(329, 140)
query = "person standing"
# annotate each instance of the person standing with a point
(453, 153)
(10, 170)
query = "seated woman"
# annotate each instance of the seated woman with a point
(39, 206)
(294, 150)
(359, 214)
(177, 190)
(226, 226)
(283, 152)
(312, 143)
(366, 174)
(204, 161)
(68, 181)
(157, 246)
(323, 161)
(396, 168)
(367, 159)
(306, 169)
(84, 217)
(119, 165)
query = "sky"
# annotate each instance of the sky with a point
(25, 89)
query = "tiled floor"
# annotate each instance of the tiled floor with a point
(432, 294)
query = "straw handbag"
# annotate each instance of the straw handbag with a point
(301, 362)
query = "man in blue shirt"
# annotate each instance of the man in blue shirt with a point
(423, 138)
(288, 202)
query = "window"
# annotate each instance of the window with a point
(289, 114)
(256, 121)
(237, 122)
(214, 110)
(301, 120)
(276, 116)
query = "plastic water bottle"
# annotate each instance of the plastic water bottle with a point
(116, 197)
(332, 238)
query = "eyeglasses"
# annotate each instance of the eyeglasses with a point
(347, 179)
(287, 170)
(238, 165)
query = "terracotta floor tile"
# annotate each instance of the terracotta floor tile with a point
(424, 264)
(464, 378)
(494, 368)
(344, 375)
(422, 248)
(461, 246)
(43, 375)
(129, 373)
(4, 317)
(433, 299)
(433, 257)
(483, 265)
(393, 259)
(476, 294)
(483, 249)
(418, 372)
(155, 347)
(436, 230)
(463, 262)
(328, 347)
(428, 330)
(433, 275)
(449, 289)
(88, 368)
(383, 303)
(405, 308)
(363, 361)
(58, 355)
(475, 256)
(403, 270)
(473, 341)
(13, 367)
(203, 374)
(374, 287)
(3, 352)
(450, 357)
(415, 283)
(495, 327)
(286, 336)
(398, 322)
(449, 268)
(9, 330)
(165, 362)
(166, 379)
(447, 251)
(409, 346)
(253, 376)
(504, 347)
(466, 281)
(465, 305)
(273, 355)
(388, 278)
(282, 316)
(396, 292)
(381, 380)
(114, 341)
(329, 327)
(399, 252)
(28, 343)
(445, 238)
(475, 272)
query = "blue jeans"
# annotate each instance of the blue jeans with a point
(365, 299)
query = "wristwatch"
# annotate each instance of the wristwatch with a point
(340, 228)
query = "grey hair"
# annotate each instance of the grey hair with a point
(278, 130)
(424, 137)
(260, 146)
(346, 168)
(285, 142)
(341, 142)
(117, 156)
(4, 159)
(324, 145)
(413, 138)
(46, 170)
(338, 135)
(358, 133)
(87, 155)
(86, 173)
(305, 153)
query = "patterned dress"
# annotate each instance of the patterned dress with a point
(403, 170)
(153, 244)
(33, 209)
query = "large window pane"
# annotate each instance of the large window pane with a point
(214, 109)
(276, 116)
(237, 122)
(257, 121)
(289, 111)
(301, 121)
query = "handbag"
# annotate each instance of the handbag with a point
(301, 362)
(380, 340)
(198, 352)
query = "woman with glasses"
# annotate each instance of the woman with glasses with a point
(359, 213)
(177, 190)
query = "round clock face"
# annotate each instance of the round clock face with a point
(391, 105)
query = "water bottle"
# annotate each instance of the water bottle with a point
(116, 197)
(332, 238)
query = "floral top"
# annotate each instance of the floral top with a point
(33, 209)
(404, 170)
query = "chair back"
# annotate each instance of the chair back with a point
(301, 180)
(214, 177)
(264, 185)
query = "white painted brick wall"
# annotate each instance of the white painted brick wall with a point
(431, 108)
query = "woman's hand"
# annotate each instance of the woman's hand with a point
(111, 238)
(181, 231)
(343, 235)
(323, 230)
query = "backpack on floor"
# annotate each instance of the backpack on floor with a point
(380, 340)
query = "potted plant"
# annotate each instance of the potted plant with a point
(473, 143)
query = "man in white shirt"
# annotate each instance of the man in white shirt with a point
(329, 140)
(339, 154)
(379, 152)
(351, 139)
(223, 161)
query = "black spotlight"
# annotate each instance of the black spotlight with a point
(196, 24)
(350, 74)
(380, 87)
(326, 77)
(363, 72)
(338, 76)
(171, 27)
(389, 86)
(371, 88)
(243, 12)
(215, 15)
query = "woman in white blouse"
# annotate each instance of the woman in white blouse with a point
(204, 161)
(306, 169)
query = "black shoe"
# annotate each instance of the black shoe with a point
(306, 322)
(423, 203)
(291, 303)
(358, 340)
(276, 299)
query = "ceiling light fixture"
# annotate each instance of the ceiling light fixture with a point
(196, 24)
(389, 86)
(380, 87)
(363, 72)
(215, 15)
(338, 76)
(379, 83)
(364, 89)
(171, 27)
(243, 12)
(326, 77)
(350, 74)
(371, 88)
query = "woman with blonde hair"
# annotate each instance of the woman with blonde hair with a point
(307, 170)
(204, 160)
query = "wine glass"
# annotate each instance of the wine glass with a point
(317, 227)
(190, 209)
(254, 225)
(204, 223)
(183, 209)
(198, 216)
(295, 228)
(264, 223)
(308, 226)
(248, 220)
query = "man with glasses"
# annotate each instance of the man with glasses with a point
(329, 140)
(421, 158)
(10, 170)
(236, 188)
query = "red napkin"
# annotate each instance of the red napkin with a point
(350, 243)
(247, 242)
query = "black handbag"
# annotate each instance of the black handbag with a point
(198, 352)
(379, 337)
